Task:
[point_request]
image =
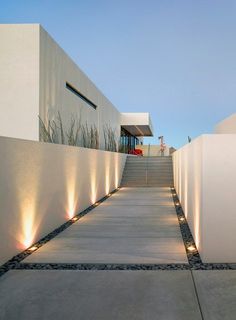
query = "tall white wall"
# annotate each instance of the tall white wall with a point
(43, 185)
(204, 178)
(56, 68)
(19, 81)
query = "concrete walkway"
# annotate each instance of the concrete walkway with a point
(137, 225)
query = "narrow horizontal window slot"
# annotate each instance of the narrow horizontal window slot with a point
(81, 96)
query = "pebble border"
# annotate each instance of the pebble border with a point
(98, 266)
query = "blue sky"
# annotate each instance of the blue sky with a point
(173, 58)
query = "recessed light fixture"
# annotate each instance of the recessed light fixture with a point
(191, 248)
(33, 248)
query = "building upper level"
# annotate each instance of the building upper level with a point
(45, 96)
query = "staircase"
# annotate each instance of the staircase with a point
(148, 172)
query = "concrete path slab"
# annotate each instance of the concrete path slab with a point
(118, 231)
(98, 295)
(217, 293)
(110, 250)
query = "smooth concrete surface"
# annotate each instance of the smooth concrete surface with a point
(43, 185)
(217, 293)
(135, 225)
(204, 177)
(98, 295)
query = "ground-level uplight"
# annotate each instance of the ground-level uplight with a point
(191, 248)
(181, 219)
(177, 203)
(75, 219)
(33, 248)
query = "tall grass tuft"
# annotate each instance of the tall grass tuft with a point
(75, 134)
(110, 138)
(90, 136)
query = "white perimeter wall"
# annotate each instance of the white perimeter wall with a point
(43, 185)
(204, 178)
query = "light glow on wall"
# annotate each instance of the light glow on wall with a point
(28, 222)
(107, 176)
(71, 187)
(116, 172)
(93, 178)
(197, 221)
(71, 204)
(186, 187)
(93, 195)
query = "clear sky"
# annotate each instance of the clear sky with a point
(173, 58)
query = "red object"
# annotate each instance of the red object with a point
(136, 152)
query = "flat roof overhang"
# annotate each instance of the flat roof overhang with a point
(137, 124)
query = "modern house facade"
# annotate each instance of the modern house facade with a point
(47, 97)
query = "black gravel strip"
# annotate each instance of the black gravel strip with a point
(14, 261)
(215, 266)
(99, 266)
(194, 258)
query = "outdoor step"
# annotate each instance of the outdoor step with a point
(157, 164)
(149, 161)
(148, 167)
(148, 173)
(153, 171)
(165, 170)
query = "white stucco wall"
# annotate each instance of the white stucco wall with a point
(42, 185)
(19, 81)
(204, 179)
(228, 125)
